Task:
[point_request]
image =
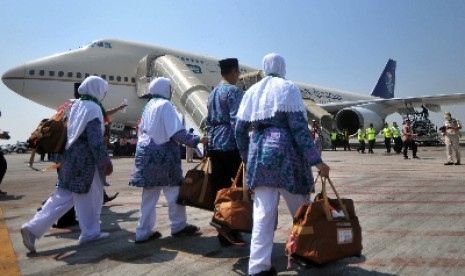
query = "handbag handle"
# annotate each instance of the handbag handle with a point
(343, 206)
(326, 208)
(245, 194)
(204, 165)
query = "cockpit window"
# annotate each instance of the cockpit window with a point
(100, 44)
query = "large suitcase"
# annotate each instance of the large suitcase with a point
(196, 189)
(319, 235)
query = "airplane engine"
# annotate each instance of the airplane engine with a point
(352, 117)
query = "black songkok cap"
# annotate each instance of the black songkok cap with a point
(228, 63)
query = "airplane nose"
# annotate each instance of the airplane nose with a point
(14, 78)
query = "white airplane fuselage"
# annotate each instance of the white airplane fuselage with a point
(51, 80)
(119, 61)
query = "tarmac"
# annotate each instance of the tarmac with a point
(412, 214)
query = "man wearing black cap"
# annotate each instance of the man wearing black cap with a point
(223, 104)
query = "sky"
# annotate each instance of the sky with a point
(333, 43)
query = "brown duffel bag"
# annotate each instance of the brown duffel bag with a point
(234, 206)
(196, 189)
(325, 230)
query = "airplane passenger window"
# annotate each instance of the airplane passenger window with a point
(133, 80)
(112, 78)
(86, 75)
(51, 73)
(61, 74)
(126, 79)
(42, 72)
(78, 75)
(118, 78)
(32, 72)
(104, 77)
(70, 74)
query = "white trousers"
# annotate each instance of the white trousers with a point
(88, 208)
(265, 211)
(452, 147)
(148, 215)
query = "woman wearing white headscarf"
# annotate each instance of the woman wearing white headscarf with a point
(274, 109)
(84, 165)
(158, 162)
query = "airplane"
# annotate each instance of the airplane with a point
(129, 66)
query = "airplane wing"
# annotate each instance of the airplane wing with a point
(400, 105)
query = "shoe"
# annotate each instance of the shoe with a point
(110, 198)
(153, 236)
(101, 236)
(416, 157)
(449, 163)
(405, 157)
(458, 163)
(271, 272)
(189, 230)
(28, 239)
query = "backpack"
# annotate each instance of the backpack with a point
(50, 135)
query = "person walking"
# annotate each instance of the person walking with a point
(84, 165)
(451, 138)
(189, 150)
(158, 164)
(3, 163)
(387, 133)
(317, 136)
(371, 137)
(361, 139)
(396, 136)
(333, 136)
(278, 155)
(407, 138)
(223, 103)
(345, 139)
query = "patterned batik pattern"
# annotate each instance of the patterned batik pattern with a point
(160, 165)
(79, 160)
(223, 103)
(278, 152)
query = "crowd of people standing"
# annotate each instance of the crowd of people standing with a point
(265, 128)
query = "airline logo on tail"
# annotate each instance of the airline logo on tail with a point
(387, 81)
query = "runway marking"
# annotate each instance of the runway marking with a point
(408, 214)
(416, 233)
(396, 202)
(413, 262)
(8, 263)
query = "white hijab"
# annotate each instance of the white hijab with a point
(82, 112)
(159, 121)
(271, 94)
